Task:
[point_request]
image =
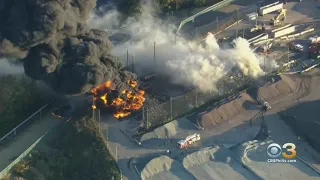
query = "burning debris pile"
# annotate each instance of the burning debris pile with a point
(122, 104)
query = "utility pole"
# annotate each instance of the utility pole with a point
(196, 97)
(143, 114)
(237, 23)
(117, 161)
(264, 61)
(132, 68)
(175, 38)
(243, 32)
(116, 154)
(147, 120)
(288, 53)
(127, 58)
(197, 32)
(154, 51)
(93, 107)
(217, 21)
(171, 107)
(98, 112)
(107, 134)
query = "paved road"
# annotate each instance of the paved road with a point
(13, 148)
(126, 149)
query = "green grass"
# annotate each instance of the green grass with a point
(20, 97)
(75, 151)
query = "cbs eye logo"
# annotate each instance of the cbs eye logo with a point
(274, 150)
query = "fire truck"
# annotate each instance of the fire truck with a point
(188, 140)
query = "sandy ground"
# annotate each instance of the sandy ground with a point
(244, 144)
(254, 155)
(10, 151)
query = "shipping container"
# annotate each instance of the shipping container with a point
(267, 10)
(283, 32)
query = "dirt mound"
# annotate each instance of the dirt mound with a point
(212, 163)
(228, 109)
(282, 85)
(164, 167)
(169, 130)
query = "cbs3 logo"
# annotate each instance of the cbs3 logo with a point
(274, 150)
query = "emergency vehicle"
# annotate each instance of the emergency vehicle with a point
(188, 140)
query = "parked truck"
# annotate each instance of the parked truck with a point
(188, 141)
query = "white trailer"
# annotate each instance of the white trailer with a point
(266, 10)
(283, 32)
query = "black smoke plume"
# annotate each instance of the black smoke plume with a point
(52, 39)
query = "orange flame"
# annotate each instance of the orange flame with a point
(133, 100)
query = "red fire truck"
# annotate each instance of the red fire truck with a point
(188, 140)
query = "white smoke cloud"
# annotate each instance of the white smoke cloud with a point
(185, 62)
(108, 20)
(7, 67)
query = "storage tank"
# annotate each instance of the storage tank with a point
(266, 10)
(283, 32)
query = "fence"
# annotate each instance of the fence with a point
(178, 106)
(5, 171)
(22, 126)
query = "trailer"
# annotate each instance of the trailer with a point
(269, 9)
(188, 141)
(283, 32)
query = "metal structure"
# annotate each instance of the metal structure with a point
(270, 8)
(211, 8)
(279, 18)
(22, 125)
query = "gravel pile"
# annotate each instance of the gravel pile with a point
(174, 129)
(213, 163)
(164, 168)
(227, 110)
(283, 85)
(254, 155)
